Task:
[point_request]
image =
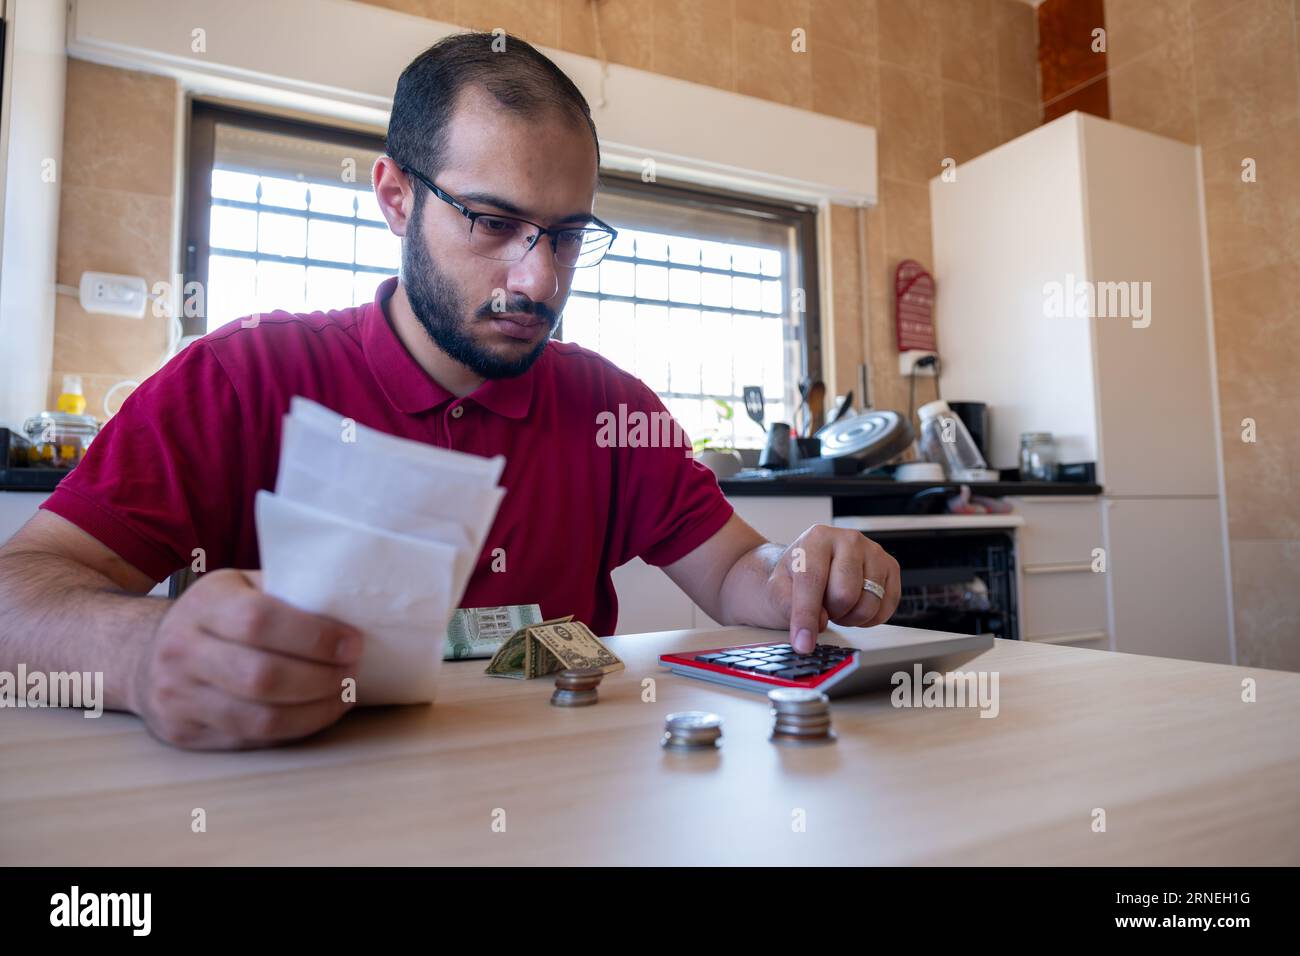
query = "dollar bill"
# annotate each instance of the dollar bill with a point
(516, 656)
(559, 644)
(478, 632)
(576, 647)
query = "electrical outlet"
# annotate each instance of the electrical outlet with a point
(108, 294)
(909, 358)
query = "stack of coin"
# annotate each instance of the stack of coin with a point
(800, 716)
(692, 730)
(576, 688)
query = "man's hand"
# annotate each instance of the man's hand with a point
(230, 667)
(821, 575)
(738, 578)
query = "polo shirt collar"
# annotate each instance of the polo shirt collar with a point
(410, 389)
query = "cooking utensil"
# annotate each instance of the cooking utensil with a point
(754, 404)
(874, 438)
(776, 453)
(813, 403)
(812, 391)
(843, 407)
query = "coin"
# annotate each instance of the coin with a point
(800, 716)
(584, 679)
(797, 700)
(692, 729)
(783, 695)
(802, 722)
(576, 688)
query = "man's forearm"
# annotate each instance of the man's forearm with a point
(57, 615)
(744, 596)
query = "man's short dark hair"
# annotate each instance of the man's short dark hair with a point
(520, 78)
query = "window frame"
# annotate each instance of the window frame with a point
(802, 217)
(200, 148)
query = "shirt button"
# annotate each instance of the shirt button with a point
(458, 411)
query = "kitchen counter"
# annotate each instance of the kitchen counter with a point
(30, 479)
(883, 487)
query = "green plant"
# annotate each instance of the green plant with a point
(710, 441)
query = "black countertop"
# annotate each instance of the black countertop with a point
(31, 479)
(823, 487)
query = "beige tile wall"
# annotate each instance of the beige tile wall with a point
(1224, 74)
(937, 78)
(115, 215)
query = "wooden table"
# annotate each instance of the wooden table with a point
(1186, 772)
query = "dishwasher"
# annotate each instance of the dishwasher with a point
(958, 571)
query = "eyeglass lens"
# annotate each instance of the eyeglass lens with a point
(506, 239)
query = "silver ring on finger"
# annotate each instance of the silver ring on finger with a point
(874, 587)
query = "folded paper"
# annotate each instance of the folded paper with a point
(380, 532)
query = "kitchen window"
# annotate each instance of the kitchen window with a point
(702, 294)
(282, 216)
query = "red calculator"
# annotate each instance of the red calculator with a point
(836, 667)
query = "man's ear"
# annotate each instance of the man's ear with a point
(393, 193)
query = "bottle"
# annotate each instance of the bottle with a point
(944, 439)
(71, 401)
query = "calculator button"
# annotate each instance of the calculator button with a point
(709, 658)
(728, 661)
(793, 673)
(769, 668)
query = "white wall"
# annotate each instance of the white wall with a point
(31, 136)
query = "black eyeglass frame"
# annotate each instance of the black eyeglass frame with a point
(552, 231)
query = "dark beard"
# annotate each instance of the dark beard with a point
(437, 307)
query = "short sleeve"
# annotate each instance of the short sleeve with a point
(672, 504)
(163, 477)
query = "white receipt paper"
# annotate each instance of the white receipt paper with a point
(380, 532)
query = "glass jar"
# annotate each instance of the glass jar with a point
(59, 440)
(1037, 456)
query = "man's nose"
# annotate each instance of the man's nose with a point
(536, 274)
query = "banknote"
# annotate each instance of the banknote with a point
(558, 644)
(477, 632)
(575, 647)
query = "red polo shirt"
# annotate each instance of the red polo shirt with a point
(177, 467)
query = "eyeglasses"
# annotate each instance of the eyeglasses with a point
(508, 239)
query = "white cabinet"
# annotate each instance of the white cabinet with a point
(1061, 598)
(16, 509)
(1166, 574)
(649, 601)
